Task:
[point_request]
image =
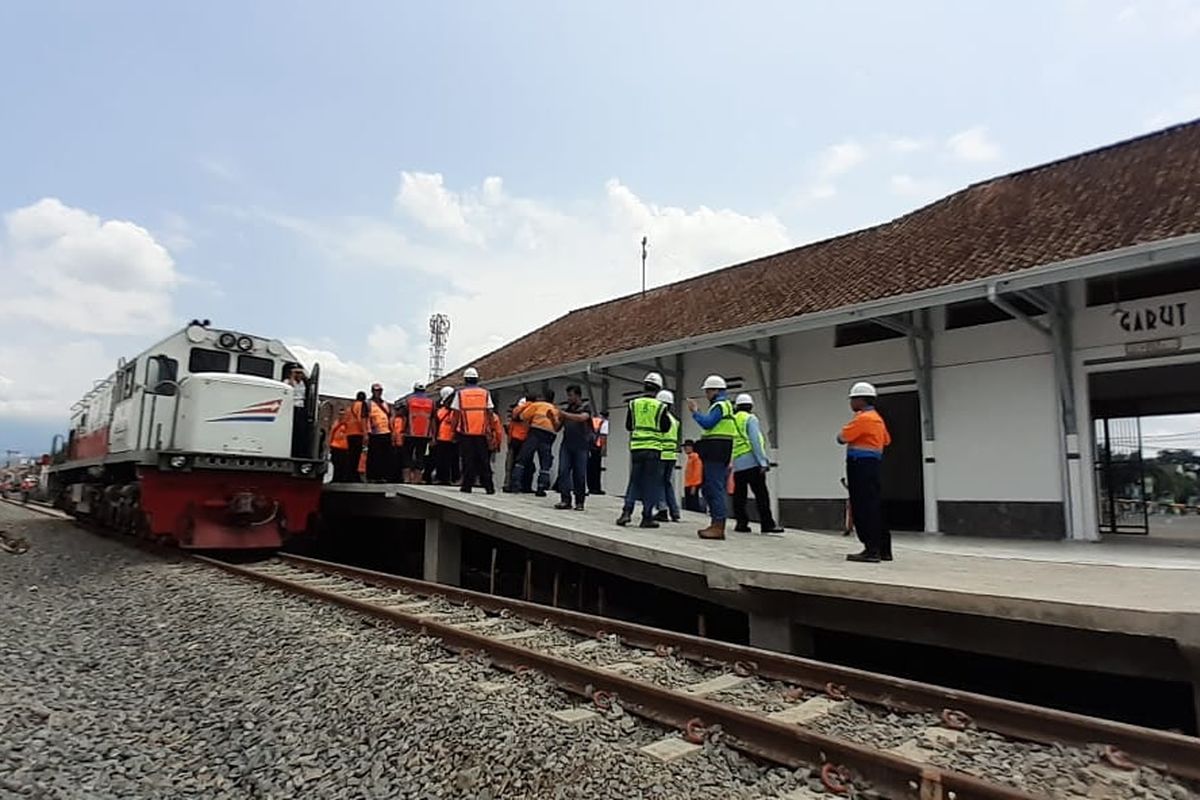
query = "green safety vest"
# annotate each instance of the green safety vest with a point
(741, 439)
(645, 433)
(725, 427)
(668, 442)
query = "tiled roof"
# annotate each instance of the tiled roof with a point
(1132, 192)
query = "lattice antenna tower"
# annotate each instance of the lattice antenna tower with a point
(439, 335)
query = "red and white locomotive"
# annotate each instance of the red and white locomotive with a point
(195, 441)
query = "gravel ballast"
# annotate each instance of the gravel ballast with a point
(123, 674)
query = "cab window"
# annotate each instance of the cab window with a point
(254, 365)
(201, 360)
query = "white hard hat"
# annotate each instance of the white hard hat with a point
(713, 382)
(665, 396)
(863, 389)
(744, 399)
(653, 378)
(418, 386)
(445, 392)
(471, 372)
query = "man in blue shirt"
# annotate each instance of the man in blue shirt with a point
(716, 449)
(750, 466)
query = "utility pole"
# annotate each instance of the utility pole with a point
(644, 240)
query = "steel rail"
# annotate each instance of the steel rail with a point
(779, 742)
(1165, 751)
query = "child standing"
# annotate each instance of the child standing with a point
(693, 477)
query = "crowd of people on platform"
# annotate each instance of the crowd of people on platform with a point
(453, 437)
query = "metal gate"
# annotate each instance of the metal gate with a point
(1121, 476)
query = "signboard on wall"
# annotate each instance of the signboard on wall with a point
(1161, 317)
(1154, 347)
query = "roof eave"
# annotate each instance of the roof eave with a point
(1140, 256)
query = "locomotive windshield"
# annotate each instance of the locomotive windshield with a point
(202, 360)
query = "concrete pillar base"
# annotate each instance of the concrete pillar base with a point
(443, 552)
(781, 635)
(1191, 657)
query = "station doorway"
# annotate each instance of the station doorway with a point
(903, 478)
(1146, 425)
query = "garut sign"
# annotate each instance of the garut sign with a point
(1153, 318)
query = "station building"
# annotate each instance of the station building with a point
(1005, 325)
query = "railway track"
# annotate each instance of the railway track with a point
(774, 706)
(767, 704)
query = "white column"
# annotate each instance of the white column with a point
(443, 552)
(929, 478)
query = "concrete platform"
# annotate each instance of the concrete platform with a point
(1112, 607)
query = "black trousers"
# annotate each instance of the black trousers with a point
(444, 467)
(752, 479)
(476, 462)
(866, 503)
(594, 465)
(353, 455)
(379, 457)
(337, 459)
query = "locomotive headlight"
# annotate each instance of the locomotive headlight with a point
(227, 340)
(245, 344)
(178, 462)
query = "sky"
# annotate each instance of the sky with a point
(332, 174)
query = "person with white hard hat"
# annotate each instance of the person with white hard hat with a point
(750, 465)
(646, 422)
(865, 438)
(473, 411)
(668, 446)
(716, 449)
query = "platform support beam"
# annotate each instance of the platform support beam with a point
(443, 552)
(1191, 657)
(780, 634)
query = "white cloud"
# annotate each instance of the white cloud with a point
(505, 264)
(72, 282)
(906, 144)
(1185, 109)
(343, 376)
(972, 144)
(921, 190)
(840, 158)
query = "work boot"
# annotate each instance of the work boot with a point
(579, 506)
(716, 530)
(662, 516)
(540, 493)
(742, 527)
(624, 519)
(562, 506)
(865, 557)
(885, 556)
(773, 527)
(648, 523)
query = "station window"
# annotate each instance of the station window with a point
(983, 312)
(861, 333)
(201, 360)
(1112, 289)
(254, 365)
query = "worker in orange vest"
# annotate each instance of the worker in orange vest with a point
(495, 436)
(693, 478)
(418, 433)
(866, 437)
(399, 425)
(443, 468)
(518, 432)
(379, 436)
(354, 419)
(474, 410)
(339, 452)
(596, 452)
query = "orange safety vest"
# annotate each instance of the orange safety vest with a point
(473, 411)
(693, 471)
(352, 418)
(445, 426)
(420, 416)
(597, 424)
(398, 430)
(495, 434)
(337, 437)
(518, 431)
(379, 417)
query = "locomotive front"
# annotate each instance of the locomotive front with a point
(205, 444)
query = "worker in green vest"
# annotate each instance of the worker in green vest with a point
(716, 449)
(669, 447)
(750, 465)
(646, 421)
